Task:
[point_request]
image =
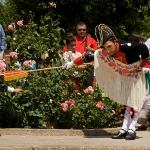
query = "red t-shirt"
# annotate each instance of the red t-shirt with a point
(80, 45)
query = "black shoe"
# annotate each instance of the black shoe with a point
(120, 135)
(131, 136)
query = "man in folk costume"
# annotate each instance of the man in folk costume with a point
(117, 67)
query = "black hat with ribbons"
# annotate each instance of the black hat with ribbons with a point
(103, 33)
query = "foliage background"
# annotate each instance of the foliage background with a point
(124, 16)
(44, 28)
(34, 109)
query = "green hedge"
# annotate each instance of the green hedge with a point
(41, 100)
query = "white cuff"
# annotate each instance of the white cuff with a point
(10, 89)
(69, 65)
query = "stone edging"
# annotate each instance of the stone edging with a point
(58, 132)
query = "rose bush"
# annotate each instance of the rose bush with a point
(49, 97)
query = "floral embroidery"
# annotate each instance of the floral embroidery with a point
(123, 69)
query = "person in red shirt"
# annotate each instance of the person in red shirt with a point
(84, 42)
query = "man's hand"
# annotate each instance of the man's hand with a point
(69, 65)
(89, 49)
(17, 90)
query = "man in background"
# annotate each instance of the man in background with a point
(85, 44)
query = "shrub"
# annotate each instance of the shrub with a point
(48, 95)
(44, 92)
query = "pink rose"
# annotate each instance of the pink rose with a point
(89, 90)
(26, 63)
(71, 101)
(2, 66)
(100, 105)
(13, 55)
(71, 105)
(86, 91)
(66, 102)
(10, 27)
(20, 23)
(64, 105)
(65, 109)
(113, 112)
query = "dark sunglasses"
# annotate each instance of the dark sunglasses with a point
(82, 29)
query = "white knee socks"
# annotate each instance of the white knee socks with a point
(128, 123)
